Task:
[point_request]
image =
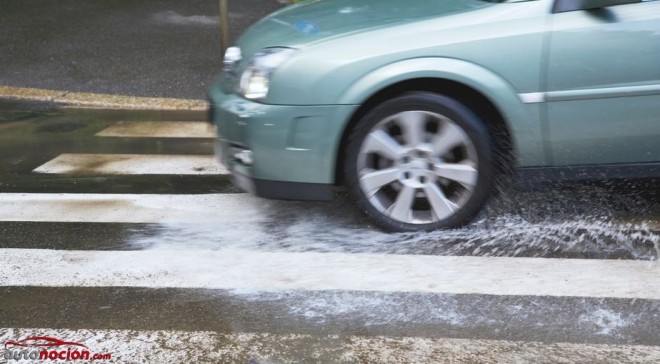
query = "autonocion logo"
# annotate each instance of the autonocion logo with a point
(49, 348)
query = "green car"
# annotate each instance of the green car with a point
(418, 106)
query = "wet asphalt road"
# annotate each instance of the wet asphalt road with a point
(154, 48)
(599, 222)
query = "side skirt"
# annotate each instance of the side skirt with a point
(535, 176)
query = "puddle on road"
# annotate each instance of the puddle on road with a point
(594, 221)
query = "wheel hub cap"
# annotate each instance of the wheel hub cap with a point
(417, 167)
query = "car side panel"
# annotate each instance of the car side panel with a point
(604, 85)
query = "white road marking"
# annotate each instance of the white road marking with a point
(83, 99)
(159, 129)
(85, 164)
(130, 208)
(128, 346)
(255, 271)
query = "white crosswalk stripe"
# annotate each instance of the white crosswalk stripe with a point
(91, 164)
(128, 208)
(247, 270)
(159, 129)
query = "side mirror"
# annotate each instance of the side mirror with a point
(562, 6)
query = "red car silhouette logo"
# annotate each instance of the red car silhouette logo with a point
(42, 342)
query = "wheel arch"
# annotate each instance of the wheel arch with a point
(491, 97)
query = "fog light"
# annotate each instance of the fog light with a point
(245, 156)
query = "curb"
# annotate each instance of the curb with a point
(106, 101)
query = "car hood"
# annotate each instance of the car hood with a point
(316, 21)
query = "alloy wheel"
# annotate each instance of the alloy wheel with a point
(417, 167)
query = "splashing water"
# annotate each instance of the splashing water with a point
(573, 222)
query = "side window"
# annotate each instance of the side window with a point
(562, 6)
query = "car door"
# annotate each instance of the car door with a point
(603, 85)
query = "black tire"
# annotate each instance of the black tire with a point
(433, 105)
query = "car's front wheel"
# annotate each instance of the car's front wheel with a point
(421, 161)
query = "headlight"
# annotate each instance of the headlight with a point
(255, 80)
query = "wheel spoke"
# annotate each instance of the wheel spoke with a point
(447, 138)
(401, 209)
(464, 174)
(380, 142)
(440, 204)
(413, 124)
(373, 181)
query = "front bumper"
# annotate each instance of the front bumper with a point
(293, 148)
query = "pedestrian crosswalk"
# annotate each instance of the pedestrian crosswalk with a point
(227, 302)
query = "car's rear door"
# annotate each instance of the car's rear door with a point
(603, 85)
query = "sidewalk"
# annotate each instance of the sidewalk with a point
(150, 49)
